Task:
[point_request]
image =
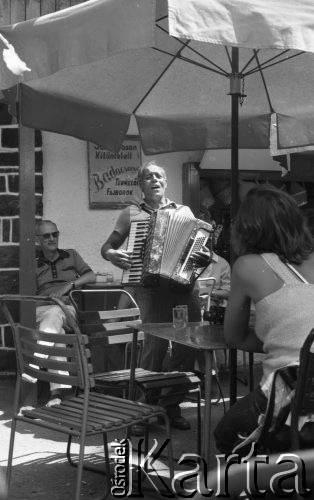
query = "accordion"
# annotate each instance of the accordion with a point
(161, 249)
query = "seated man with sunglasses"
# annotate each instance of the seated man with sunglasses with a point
(57, 273)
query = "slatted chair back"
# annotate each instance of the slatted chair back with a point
(112, 313)
(303, 401)
(108, 317)
(50, 357)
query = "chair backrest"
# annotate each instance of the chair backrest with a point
(292, 392)
(109, 313)
(109, 316)
(303, 401)
(43, 355)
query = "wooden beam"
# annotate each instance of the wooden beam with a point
(47, 6)
(32, 8)
(18, 11)
(27, 210)
(27, 283)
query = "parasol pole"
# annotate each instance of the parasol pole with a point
(235, 92)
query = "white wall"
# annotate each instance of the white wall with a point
(66, 201)
(249, 159)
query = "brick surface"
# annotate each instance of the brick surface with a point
(8, 337)
(9, 256)
(8, 170)
(12, 159)
(6, 230)
(38, 161)
(15, 230)
(9, 205)
(9, 282)
(9, 159)
(15, 311)
(13, 182)
(10, 138)
(7, 361)
(9, 225)
(5, 117)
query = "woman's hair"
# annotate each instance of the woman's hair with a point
(269, 220)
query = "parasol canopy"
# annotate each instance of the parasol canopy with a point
(95, 65)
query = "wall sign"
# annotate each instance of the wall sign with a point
(113, 176)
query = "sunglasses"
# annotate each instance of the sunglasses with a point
(46, 236)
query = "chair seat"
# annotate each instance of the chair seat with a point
(105, 413)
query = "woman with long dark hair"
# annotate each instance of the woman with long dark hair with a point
(274, 271)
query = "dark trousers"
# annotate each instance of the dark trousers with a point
(156, 307)
(241, 418)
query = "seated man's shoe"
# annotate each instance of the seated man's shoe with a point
(55, 399)
(180, 423)
(138, 430)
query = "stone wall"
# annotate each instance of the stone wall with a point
(9, 222)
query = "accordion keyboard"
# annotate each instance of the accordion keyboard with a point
(136, 241)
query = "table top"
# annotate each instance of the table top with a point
(202, 336)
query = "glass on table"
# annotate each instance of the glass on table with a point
(104, 277)
(109, 277)
(180, 316)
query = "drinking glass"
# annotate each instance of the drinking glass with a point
(180, 316)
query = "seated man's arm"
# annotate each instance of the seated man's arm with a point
(85, 279)
(83, 276)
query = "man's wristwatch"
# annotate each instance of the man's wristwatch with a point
(72, 283)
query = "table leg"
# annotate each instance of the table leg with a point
(207, 409)
(233, 375)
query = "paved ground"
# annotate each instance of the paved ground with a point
(40, 467)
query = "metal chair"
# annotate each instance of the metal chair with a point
(97, 314)
(303, 401)
(86, 413)
(286, 452)
(292, 393)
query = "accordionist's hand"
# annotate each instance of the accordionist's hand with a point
(202, 258)
(120, 258)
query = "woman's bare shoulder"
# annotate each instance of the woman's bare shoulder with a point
(248, 263)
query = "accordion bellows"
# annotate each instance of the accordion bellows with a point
(165, 253)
